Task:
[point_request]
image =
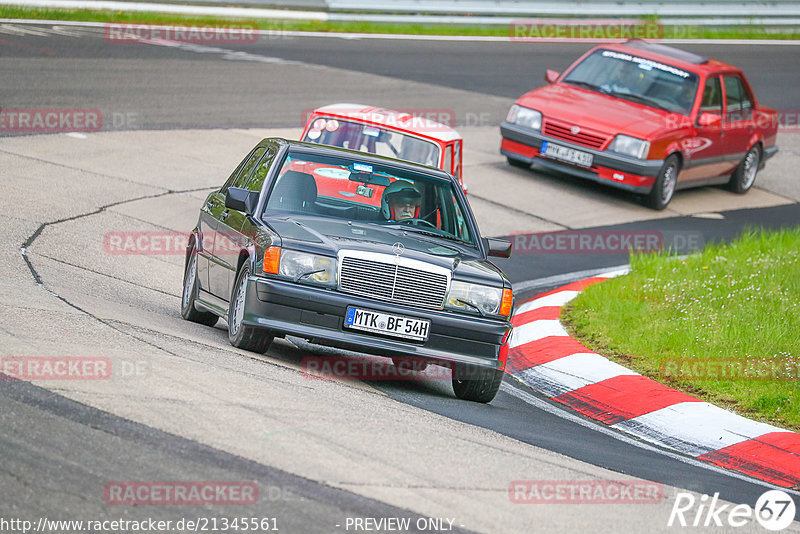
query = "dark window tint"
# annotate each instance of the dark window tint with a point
(737, 101)
(247, 168)
(262, 170)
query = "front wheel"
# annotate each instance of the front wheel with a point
(745, 174)
(189, 294)
(477, 384)
(664, 186)
(240, 335)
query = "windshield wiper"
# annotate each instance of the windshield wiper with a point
(587, 85)
(427, 232)
(640, 99)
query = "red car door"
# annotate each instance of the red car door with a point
(738, 123)
(704, 154)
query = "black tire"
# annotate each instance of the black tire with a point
(744, 176)
(189, 294)
(518, 163)
(242, 336)
(664, 186)
(476, 383)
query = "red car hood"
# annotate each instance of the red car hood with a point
(596, 111)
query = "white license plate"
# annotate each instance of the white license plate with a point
(584, 159)
(388, 324)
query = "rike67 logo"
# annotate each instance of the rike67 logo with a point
(774, 510)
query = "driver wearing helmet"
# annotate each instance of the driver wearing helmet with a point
(401, 200)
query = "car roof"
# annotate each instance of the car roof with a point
(327, 150)
(667, 54)
(396, 120)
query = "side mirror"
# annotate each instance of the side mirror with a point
(240, 199)
(709, 119)
(550, 75)
(498, 247)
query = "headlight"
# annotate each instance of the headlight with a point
(490, 300)
(525, 117)
(630, 146)
(301, 266)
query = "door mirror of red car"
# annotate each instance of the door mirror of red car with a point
(709, 119)
(551, 76)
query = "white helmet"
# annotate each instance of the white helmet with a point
(397, 190)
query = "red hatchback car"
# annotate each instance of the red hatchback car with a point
(646, 118)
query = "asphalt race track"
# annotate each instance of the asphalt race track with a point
(183, 405)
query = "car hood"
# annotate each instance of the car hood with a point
(600, 112)
(326, 236)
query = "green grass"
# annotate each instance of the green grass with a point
(87, 15)
(732, 310)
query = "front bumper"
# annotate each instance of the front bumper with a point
(317, 314)
(608, 168)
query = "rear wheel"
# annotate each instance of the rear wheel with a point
(744, 176)
(477, 384)
(188, 311)
(240, 335)
(664, 185)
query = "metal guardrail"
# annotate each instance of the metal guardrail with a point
(531, 8)
(776, 13)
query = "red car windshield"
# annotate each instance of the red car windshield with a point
(372, 139)
(636, 79)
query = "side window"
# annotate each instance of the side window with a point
(448, 158)
(248, 167)
(257, 180)
(457, 160)
(237, 171)
(737, 101)
(242, 173)
(712, 97)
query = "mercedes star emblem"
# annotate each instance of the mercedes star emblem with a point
(398, 248)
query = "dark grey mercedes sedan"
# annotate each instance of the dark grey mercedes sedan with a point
(354, 251)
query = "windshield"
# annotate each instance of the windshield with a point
(372, 139)
(376, 193)
(637, 79)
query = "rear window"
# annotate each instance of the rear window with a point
(373, 140)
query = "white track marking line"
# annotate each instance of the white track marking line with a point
(571, 373)
(695, 427)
